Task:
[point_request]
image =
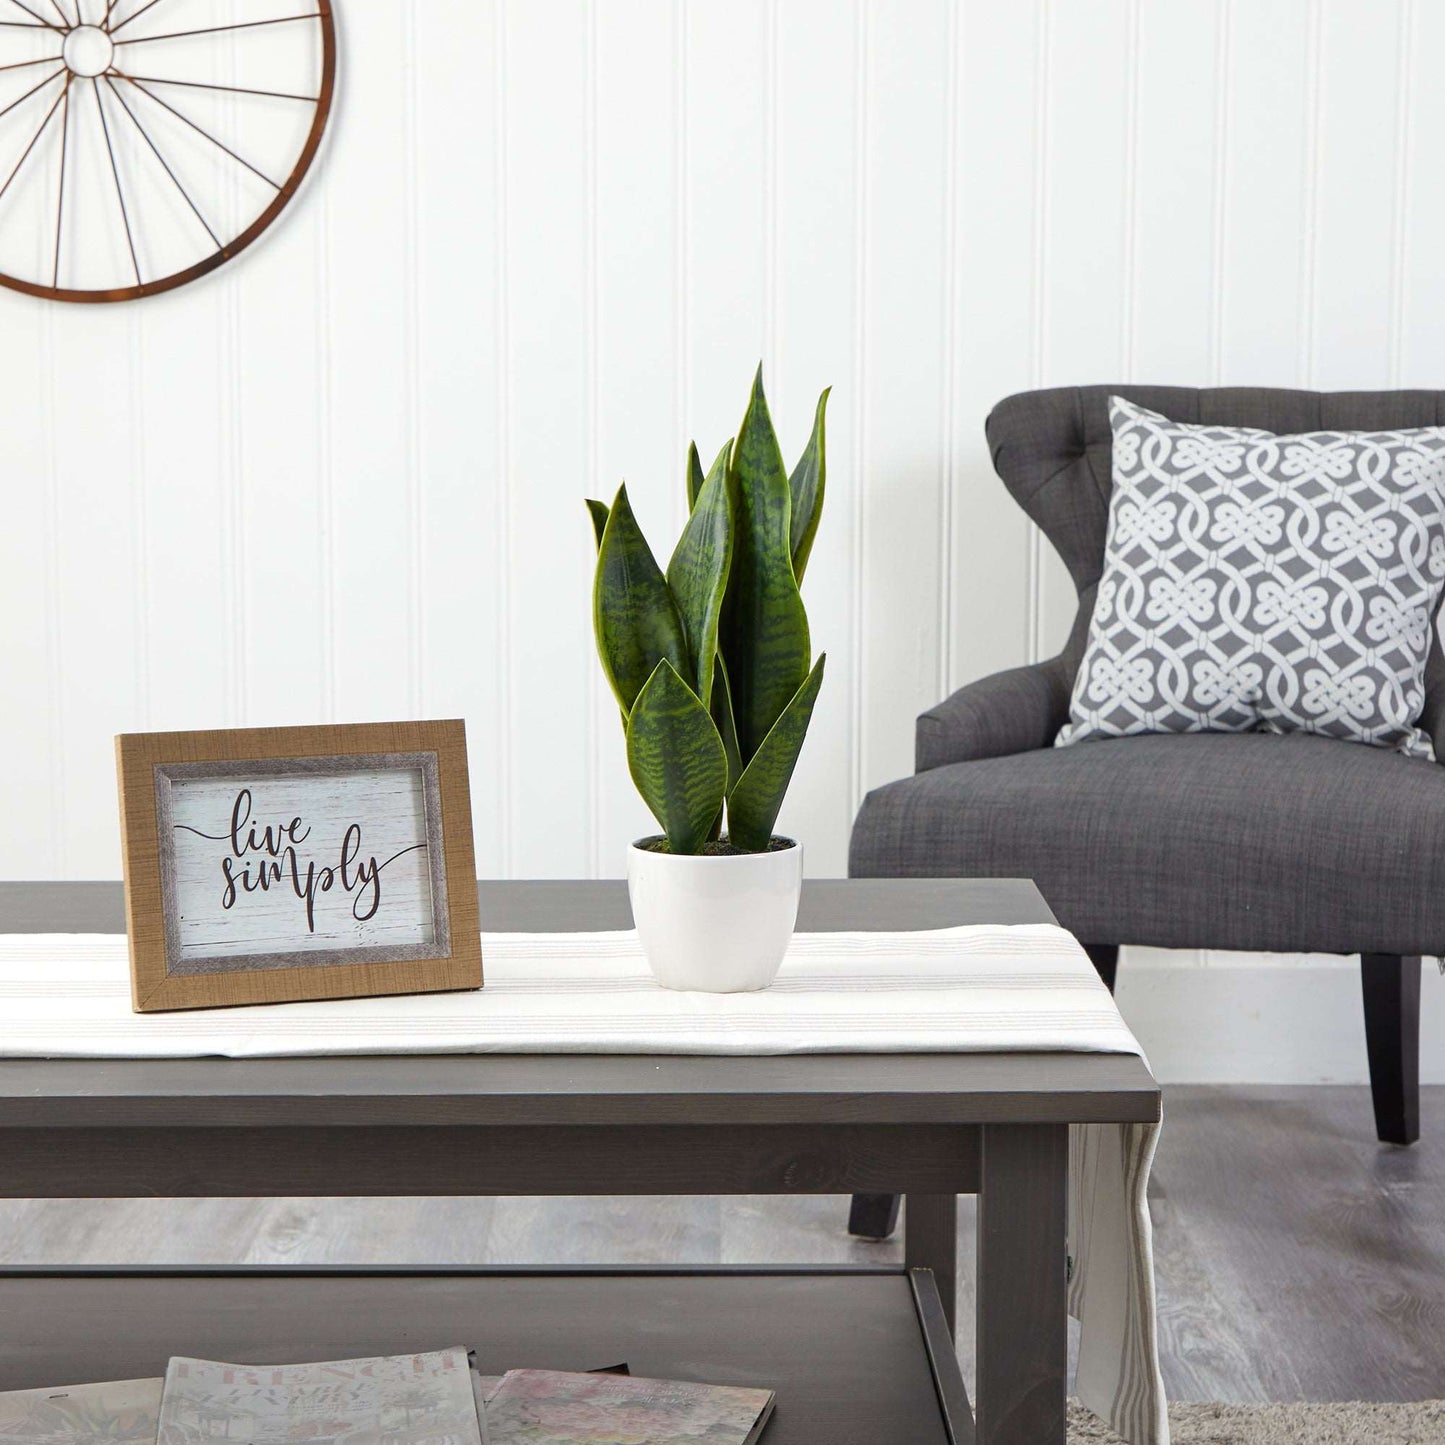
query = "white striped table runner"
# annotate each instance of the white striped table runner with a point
(958, 990)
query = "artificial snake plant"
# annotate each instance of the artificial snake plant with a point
(711, 661)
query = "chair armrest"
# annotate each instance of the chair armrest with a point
(1016, 711)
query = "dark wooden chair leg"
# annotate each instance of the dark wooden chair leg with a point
(1105, 958)
(1391, 984)
(873, 1216)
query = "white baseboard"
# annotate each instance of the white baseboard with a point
(1234, 1018)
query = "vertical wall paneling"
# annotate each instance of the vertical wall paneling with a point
(1038, 292)
(858, 437)
(725, 219)
(995, 110)
(1266, 198)
(1084, 220)
(908, 143)
(189, 487)
(1404, 156)
(1128, 307)
(682, 334)
(948, 355)
(543, 247)
(592, 302)
(141, 689)
(462, 533)
(368, 294)
(1357, 193)
(502, 473)
(30, 702)
(635, 401)
(92, 422)
(811, 264)
(1219, 190)
(550, 562)
(1309, 228)
(230, 431)
(277, 425)
(1422, 279)
(416, 492)
(325, 559)
(1177, 196)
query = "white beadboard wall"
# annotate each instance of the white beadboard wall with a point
(546, 243)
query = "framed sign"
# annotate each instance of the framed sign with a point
(271, 864)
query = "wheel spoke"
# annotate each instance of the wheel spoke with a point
(32, 91)
(60, 202)
(24, 64)
(36, 15)
(232, 89)
(200, 130)
(119, 189)
(33, 140)
(217, 29)
(165, 165)
(128, 19)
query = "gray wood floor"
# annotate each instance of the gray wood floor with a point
(1297, 1258)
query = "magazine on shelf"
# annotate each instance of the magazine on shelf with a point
(550, 1407)
(436, 1398)
(422, 1399)
(117, 1412)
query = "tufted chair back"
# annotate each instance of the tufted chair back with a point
(1054, 451)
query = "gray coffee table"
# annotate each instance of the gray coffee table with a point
(855, 1355)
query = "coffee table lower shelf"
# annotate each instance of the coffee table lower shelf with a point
(858, 1357)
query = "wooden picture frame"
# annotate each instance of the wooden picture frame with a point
(270, 865)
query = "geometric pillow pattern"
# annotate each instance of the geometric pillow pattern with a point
(1261, 582)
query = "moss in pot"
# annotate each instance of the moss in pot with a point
(711, 664)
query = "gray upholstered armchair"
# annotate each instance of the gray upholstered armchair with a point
(1231, 841)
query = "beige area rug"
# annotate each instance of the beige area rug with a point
(1421, 1424)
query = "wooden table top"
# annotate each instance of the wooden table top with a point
(579, 1089)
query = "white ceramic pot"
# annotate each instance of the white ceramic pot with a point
(719, 925)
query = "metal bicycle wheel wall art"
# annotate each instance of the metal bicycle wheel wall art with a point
(143, 143)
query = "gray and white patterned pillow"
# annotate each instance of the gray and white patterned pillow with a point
(1260, 582)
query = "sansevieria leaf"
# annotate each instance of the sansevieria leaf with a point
(633, 613)
(598, 512)
(806, 486)
(676, 758)
(722, 715)
(764, 635)
(695, 476)
(698, 573)
(757, 798)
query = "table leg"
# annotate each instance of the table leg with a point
(1022, 1304)
(930, 1241)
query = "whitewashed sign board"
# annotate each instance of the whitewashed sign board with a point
(271, 864)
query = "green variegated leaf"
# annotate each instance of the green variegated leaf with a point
(633, 613)
(676, 758)
(722, 715)
(695, 476)
(764, 634)
(599, 519)
(806, 487)
(757, 797)
(698, 574)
